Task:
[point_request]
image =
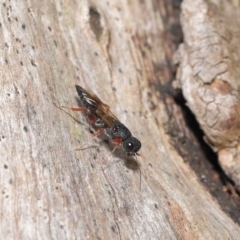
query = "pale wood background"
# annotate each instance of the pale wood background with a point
(49, 191)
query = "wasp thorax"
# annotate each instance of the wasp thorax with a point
(119, 131)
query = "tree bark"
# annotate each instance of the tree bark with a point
(49, 190)
(209, 75)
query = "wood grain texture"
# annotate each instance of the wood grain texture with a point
(50, 191)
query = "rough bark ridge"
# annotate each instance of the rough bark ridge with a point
(209, 75)
(50, 191)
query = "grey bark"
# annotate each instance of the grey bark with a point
(50, 191)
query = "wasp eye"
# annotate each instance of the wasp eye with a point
(130, 146)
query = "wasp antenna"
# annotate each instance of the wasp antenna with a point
(56, 105)
(140, 155)
(80, 148)
(140, 172)
(140, 182)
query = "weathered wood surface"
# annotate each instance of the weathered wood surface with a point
(209, 75)
(50, 191)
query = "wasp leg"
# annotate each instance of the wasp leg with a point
(99, 132)
(73, 109)
(117, 142)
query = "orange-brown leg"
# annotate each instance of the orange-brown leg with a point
(99, 132)
(91, 117)
(118, 142)
(73, 109)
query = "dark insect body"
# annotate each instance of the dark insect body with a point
(100, 115)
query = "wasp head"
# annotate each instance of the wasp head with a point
(131, 145)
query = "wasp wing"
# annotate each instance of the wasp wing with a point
(97, 107)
